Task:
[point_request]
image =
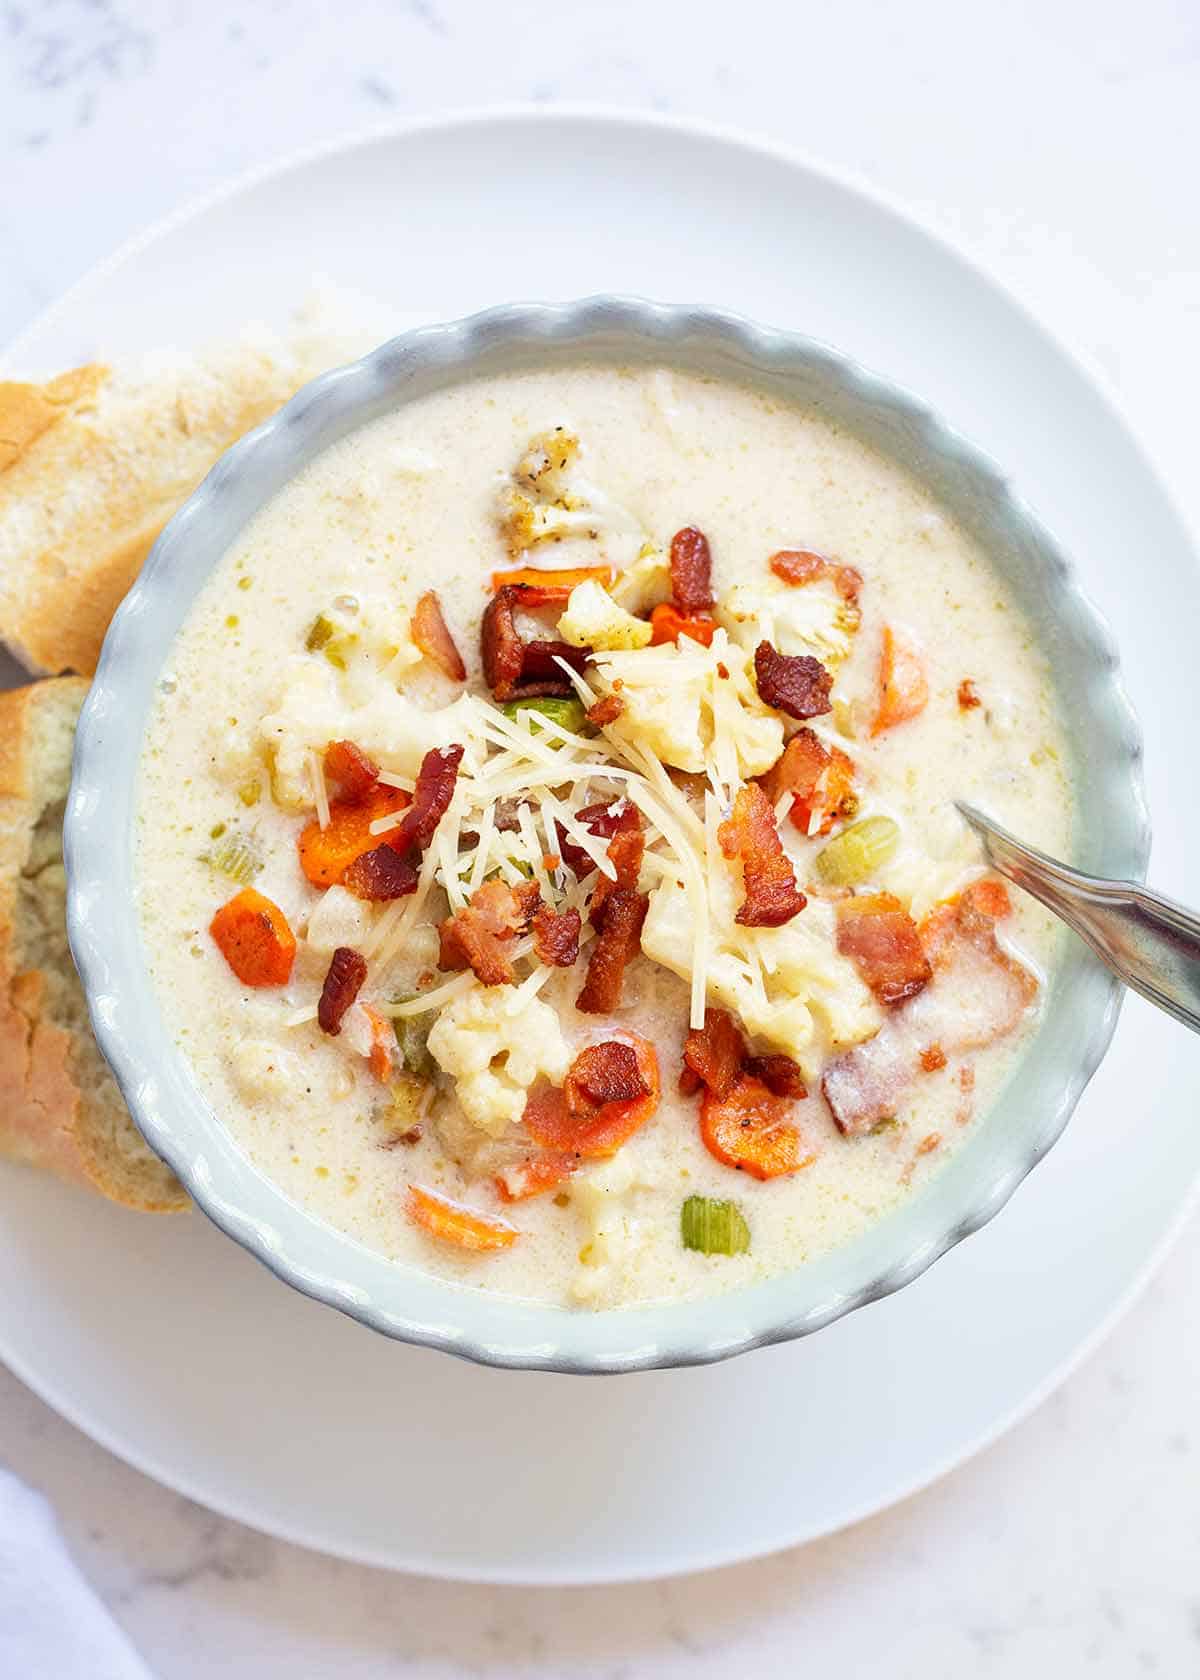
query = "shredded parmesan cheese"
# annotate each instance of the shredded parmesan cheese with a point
(316, 774)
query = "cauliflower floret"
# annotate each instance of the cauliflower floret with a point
(545, 467)
(784, 983)
(338, 918)
(546, 500)
(261, 1069)
(593, 619)
(538, 504)
(494, 1057)
(235, 752)
(313, 708)
(677, 703)
(812, 619)
(645, 582)
(614, 1237)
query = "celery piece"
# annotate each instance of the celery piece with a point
(412, 1035)
(235, 856)
(858, 851)
(323, 638)
(567, 714)
(712, 1227)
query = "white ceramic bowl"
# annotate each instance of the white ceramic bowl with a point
(1082, 1003)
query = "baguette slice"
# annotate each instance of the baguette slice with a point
(93, 465)
(59, 1104)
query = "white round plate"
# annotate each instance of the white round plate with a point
(172, 1347)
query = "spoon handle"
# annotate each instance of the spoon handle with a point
(1152, 943)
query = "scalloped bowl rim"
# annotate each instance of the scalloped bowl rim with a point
(400, 1301)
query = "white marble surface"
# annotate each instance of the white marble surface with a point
(1057, 139)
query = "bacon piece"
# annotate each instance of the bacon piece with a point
(383, 873)
(750, 833)
(604, 1073)
(464, 941)
(617, 943)
(903, 685)
(574, 1123)
(602, 821)
(968, 698)
(668, 624)
(780, 1074)
(927, 1145)
(821, 778)
(798, 566)
(353, 771)
(528, 897)
(880, 937)
(343, 982)
(515, 669)
(430, 633)
(691, 571)
(502, 649)
(749, 1129)
(556, 936)
(625, 852)
(714, 1054)
(539, 659)
(431, 799)
(978, 994)
(933, 1058)
(606, 710)
(474, 936)
(535, 1175)
(326, 853)
(966, 1102)
(794, 683)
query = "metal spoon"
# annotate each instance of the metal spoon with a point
(1150, 942)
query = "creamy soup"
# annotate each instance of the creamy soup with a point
(547, 857)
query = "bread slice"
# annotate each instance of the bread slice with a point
(59, 1104)
(93, 464)
(91, 468)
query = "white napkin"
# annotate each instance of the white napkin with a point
(52, 1626)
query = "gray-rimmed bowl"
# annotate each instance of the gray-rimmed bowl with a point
(1081, 1008)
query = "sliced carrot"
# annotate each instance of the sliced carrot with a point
(253, 936)
(667, 624)
(326, 853)
(351, 768)
(589, 1131)
(989, 897)
(453, 1222)
(939, 925)
(431, 634)
(553, 586)
(748, 1129)
(534, 1176)
(381, 1058)
(903, 685)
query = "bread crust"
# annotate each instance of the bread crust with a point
(48, 1118)
(93, 465)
